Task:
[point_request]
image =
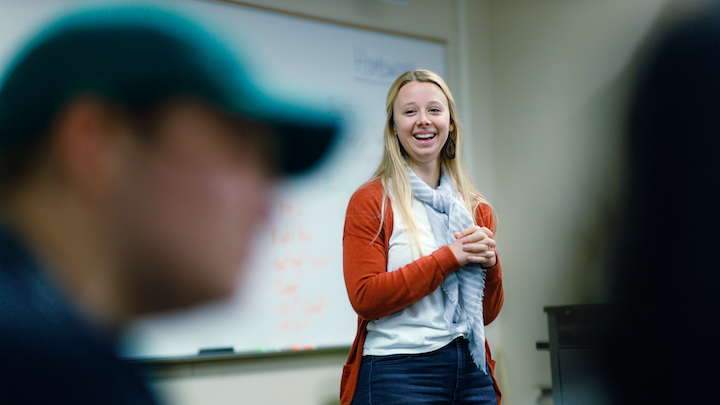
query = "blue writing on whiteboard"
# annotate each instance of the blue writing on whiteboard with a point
(378, 69)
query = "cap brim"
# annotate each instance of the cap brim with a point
(306, 132)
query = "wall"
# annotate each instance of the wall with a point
(302, 378)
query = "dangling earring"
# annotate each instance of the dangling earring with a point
(450, 148)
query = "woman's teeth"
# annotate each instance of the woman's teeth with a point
(424, 136)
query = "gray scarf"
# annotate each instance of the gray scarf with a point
(465, 287)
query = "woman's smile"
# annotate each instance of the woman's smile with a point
(424, 136)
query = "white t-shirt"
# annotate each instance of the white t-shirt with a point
(420, 327)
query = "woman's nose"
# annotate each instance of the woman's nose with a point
(423, 120)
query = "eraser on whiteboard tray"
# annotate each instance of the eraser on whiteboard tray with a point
(216, 350)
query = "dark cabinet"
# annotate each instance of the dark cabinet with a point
(575, 334)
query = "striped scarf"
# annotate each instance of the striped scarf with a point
(464, 288)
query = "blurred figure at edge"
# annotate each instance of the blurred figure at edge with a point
(665, 345)
(137, 159)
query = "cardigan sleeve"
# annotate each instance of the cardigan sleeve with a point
(373, 291)
(494, 295)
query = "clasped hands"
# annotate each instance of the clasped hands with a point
(475, 244)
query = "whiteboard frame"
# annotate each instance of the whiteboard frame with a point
(332, 21)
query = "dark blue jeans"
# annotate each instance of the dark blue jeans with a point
(445, 376)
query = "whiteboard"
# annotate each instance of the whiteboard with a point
(292, 294)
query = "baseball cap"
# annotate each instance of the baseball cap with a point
(143, 56)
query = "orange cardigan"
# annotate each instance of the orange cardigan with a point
(374, 292)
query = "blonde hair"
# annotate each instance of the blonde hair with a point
(392, 173)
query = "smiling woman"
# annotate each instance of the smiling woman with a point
(422, 316)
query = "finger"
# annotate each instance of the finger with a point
(476, 235)
(487, 232)
(482, 232)
(479, 247)
(469, 230)
(480, 259)
(480, 238)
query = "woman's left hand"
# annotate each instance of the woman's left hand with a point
(479, 241)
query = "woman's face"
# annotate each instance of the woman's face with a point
(422, 122)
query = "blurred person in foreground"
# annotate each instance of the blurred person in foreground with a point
(665, 342)
(137, 158)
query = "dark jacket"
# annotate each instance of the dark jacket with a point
(48, 354)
